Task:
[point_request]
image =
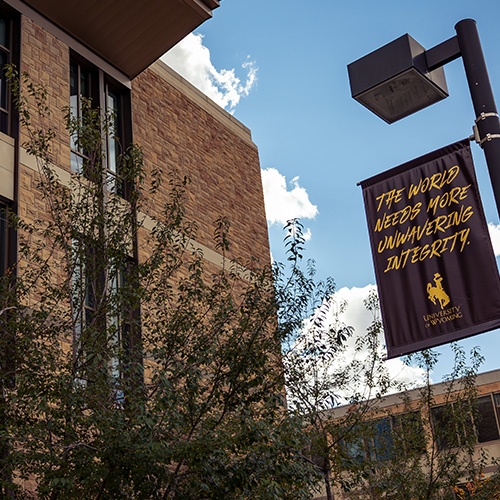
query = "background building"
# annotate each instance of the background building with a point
(442, 433)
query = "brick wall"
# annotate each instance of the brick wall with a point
(46, 60)
(176, 133)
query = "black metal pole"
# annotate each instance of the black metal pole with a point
(482, 98)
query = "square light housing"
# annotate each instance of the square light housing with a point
(394, 81)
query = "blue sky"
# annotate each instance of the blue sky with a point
(280, 67)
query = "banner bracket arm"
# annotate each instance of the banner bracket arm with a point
(477, 136)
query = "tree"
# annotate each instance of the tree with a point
(325, 366)
(127, 377)
(425, 448)
(430, 447)
(129, 371)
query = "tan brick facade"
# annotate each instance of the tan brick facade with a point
(223, 166)
(178, 129)
(176, 133)
(46, 60)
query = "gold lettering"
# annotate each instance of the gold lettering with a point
(380, 223)
(420, 253)
(435, 181)
(468, 213)
(390, 197)
(433, 205)
(399, 217)
(464, 235)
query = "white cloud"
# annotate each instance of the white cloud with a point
(348, 303)
(495, 237)
(191, 59)
(324, 373)
(282, 203)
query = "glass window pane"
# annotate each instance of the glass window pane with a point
(382, 439)
(89, 317)
(4, 122)
(3, 239)
(74, 106)
(354, 448)
(111, 182)
(76, 163)
(4, 32)
(496, 397)
(410, 432)
(486, 424)
(4, 59)
(84, 82)
(79, 83)
(443, 426)
(113, 106)
(73, 88)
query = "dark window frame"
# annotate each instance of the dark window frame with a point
(452, 438)
(475, 423)
(379, 441)
(4, 238)
(484, 430)
(101, 87)
(105, 92)
(79, 70)
(8, 113)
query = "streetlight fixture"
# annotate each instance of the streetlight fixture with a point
(402, 78)
(395, 81)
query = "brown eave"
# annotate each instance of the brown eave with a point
(129, 34)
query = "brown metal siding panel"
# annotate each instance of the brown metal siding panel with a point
(127, 33)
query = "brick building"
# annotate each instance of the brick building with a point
(108, 52)
(63, 46)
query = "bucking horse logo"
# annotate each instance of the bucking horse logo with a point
(437, 292)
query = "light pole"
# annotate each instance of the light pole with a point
(402, 78)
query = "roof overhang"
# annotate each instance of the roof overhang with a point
(129, 34)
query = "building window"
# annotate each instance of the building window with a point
(383, 438)
(486, 420)
(9, 54)
(121, 327)
(102, 319)
(80, 86)
(5, 58)
(90, 84)
(381, 442)
(371, 441)
(450, 431)
(451, 425)
(115, 140)
(3, 239)
(410, 432)
(84, 305)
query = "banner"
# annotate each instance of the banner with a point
(436, 272)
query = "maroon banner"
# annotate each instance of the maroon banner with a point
(436, 272)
